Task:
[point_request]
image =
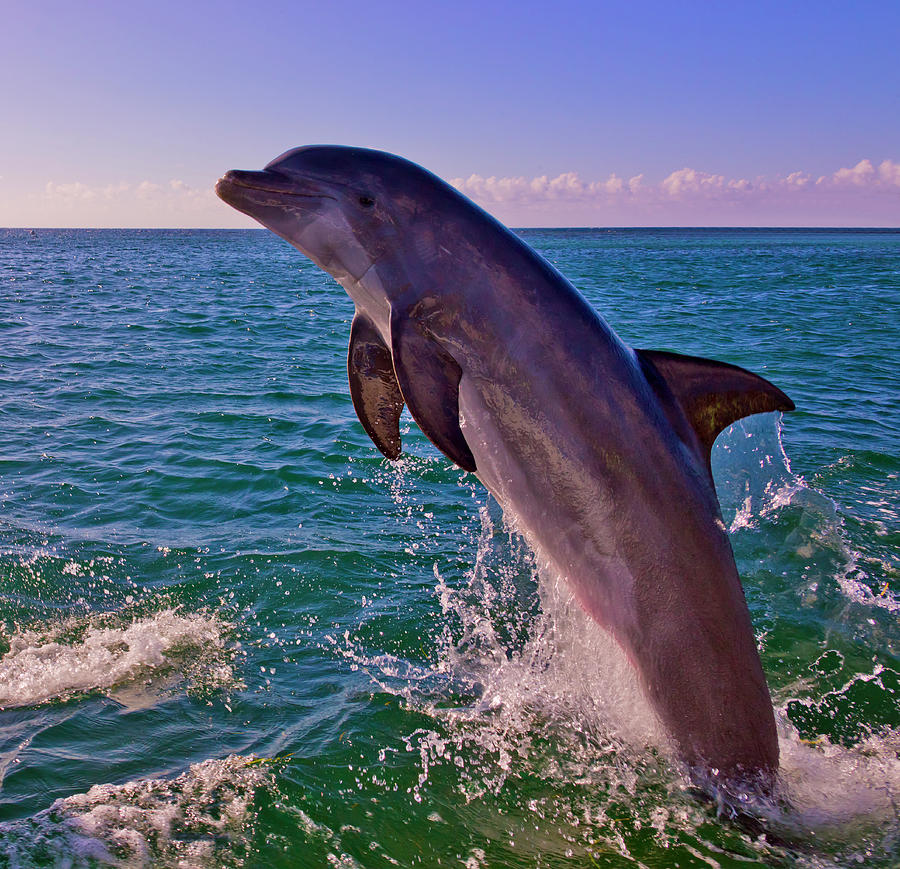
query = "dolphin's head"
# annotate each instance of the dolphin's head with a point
(345, 208)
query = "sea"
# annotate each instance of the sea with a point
(233, 634)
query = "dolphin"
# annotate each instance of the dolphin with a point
(598, 453)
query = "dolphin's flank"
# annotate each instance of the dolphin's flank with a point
(599, 453)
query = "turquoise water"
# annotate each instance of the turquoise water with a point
(233, 634)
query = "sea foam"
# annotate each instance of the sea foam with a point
(106, 653)
(203, 817)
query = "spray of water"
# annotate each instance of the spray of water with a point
(524, 685)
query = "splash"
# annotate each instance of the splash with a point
(528, 696)
(753, 473)
(515, 646)
(754, 478)
(844, 800)
(131, 660)
(203, 817)
(517, 631)
(523, 684)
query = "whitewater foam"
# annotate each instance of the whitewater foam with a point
(845, 799)
(110, 654)
(203, 817)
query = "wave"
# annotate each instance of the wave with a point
(131, 660)
(204, 817)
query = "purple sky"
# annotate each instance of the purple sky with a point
(602, 114)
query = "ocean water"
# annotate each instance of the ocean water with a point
(232, 634)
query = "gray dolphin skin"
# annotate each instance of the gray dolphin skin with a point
(598, 453)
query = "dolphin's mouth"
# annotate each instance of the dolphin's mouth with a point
(268, 181)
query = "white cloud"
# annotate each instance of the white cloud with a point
(864, 174)
(889, 173)
(865, 194)
(691, 181)
(147, 190)
(83, 192)
(175, 190)
(69, 191)
(797, 180)
(685, 184)
(565, 187)
(146, 203)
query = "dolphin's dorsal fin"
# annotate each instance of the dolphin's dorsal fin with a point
(373, 386)
(712, 394)
(429, 380)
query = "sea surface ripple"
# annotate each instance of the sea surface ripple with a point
(232, 634)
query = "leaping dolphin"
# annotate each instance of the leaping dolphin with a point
(598, 452)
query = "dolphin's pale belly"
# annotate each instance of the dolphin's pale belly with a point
(530, 500)
(632, 532)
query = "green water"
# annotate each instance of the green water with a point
(233, 634)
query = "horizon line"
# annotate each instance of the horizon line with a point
(767, 226)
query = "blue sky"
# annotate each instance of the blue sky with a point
(563, 113)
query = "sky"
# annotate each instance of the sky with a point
(560, 113)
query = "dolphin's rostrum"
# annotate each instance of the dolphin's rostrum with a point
(599, 453)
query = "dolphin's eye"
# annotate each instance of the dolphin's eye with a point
(366, 201)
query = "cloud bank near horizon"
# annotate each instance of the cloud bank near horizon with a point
(864, 194)
(145, 195)
(682, 184)
(849, 195)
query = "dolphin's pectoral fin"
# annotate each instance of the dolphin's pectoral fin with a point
(429, 380)
(712, 394)
(373, 386)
